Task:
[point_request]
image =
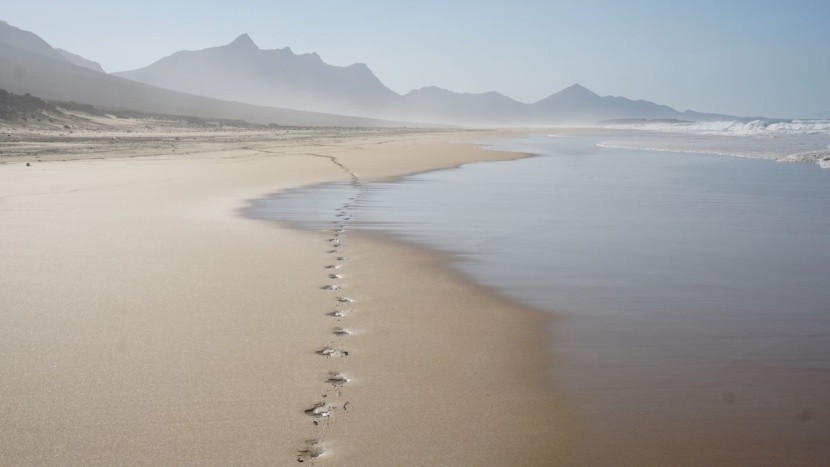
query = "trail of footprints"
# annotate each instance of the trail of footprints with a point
(332, 401)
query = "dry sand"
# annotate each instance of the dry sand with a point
(144, 321)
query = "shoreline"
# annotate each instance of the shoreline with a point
(203, 334)
(529, 370)
(400, 327)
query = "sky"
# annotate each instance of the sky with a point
(739, 57)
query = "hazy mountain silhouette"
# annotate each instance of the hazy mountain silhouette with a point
(27, 41)
(80, 61)
(30, 65)
(578, 104)
(437, 104)
(243, 72)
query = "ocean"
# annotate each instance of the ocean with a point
(693, 289)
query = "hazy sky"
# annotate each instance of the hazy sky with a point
(741, 57)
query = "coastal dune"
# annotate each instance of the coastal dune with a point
(144, 320)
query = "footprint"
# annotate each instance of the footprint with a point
(312, 450)
(337, 379)
(341, 332)
(342, 258)
(332, 251)
(333, 266)
(331, 352)
(335, 276)
(331, 287)
(337, 313)
(319, 410)
(345, 300)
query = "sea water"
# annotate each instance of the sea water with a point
(693, 290)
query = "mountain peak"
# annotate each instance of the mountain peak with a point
(577, 90)
(28, 41)
(359, 67)
(244, 41)
(426, 90)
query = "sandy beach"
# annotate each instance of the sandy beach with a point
(146, 321)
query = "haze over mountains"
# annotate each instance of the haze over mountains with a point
(241, 71)
(80, 61)
(240, 80)
(28, 64)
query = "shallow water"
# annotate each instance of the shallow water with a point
(694, 289)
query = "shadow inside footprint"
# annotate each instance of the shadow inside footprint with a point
(311, 451)
(331, 352)
(319, 410)
(341, 332)
(337, 379)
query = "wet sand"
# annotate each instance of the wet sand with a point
(145, 321)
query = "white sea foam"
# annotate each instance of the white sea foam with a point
(733, 128)
(822, 158)
(666, 149)
(803, 141)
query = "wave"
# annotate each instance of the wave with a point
(639, 147)
(820, 157)
(733, 127)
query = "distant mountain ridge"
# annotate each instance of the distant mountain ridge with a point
(27, 41)
(76, 59)
(433, 102)
(29, 65)
(240, 80)
(578, 102)
(243, 72)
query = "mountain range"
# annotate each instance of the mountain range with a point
(243, 72)
(29, 65)
(240, 80)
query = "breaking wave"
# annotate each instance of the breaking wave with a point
(733, 128)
